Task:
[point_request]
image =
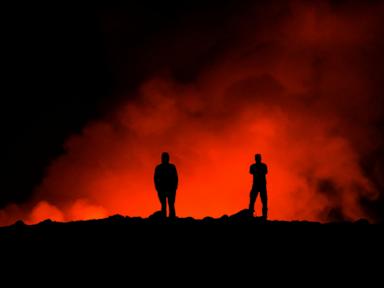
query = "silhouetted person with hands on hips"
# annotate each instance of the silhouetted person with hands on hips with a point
(259, 171)
(166, 182)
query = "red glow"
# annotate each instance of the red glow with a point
(297, 103)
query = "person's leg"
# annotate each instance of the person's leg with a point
(252, 200)
(163, 201)
(264, 201)
(171, 203)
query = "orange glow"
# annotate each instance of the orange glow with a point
(112, 164)
(296, 103)
(43, 211)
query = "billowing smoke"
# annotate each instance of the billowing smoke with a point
(301, 88)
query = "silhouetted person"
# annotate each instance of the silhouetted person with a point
(166, 181)
(259, 171)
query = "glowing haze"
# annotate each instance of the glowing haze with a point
(296, 89)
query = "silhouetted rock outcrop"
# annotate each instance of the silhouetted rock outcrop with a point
(243, 215)
(156, 229)
(157, 216)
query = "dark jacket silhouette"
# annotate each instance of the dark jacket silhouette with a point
(166, 182)
(259, 171)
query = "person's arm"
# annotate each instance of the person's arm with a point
(156, 178)
(251, 169)
(176, 177)
(266, 169)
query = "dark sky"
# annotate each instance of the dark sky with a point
(56, 79)
(64, 66)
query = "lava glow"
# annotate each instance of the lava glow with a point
(292, 91)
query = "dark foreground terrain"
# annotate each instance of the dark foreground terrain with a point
(238, 227)
(213, 248)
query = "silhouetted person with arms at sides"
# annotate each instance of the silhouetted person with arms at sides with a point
(259, 171)
(166, 181)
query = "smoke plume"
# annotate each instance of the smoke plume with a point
(297, 82)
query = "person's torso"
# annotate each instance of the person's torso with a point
(259, 173)
(166, 174)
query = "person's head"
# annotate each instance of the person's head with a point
(258, 158)
(165, 158)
